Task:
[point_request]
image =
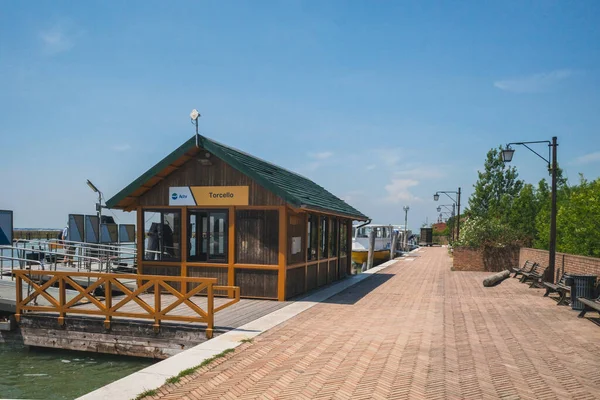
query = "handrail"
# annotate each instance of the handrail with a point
(93, 246)
(104, 306)
(81, 245)
(96, 259)
(41, 264)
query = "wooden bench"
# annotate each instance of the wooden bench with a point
(559, 287)
(589, 305)
(535, 275)
(527, 267)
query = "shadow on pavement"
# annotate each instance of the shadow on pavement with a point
(354, 293)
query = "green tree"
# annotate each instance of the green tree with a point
(495, 189)
(523, 212)
(578, 218)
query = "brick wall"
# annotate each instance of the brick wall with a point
(564, 262)
(489, 260)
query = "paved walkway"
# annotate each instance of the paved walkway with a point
(418, 331)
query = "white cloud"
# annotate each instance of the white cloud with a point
(352, 195)
(370, 167)
(389, 157)
(321, 156)
(588, 158)
(534, 83)
(321, 159)
(121, 147)
(398, 190)
(56, 41)
(423, 172)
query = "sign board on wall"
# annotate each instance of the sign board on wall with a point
(6, 228)
(208, 196)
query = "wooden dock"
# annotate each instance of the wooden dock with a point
(137, 323)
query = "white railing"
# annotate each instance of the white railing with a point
(66, 249)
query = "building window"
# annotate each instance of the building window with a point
(163, 235)
(208, 238)
(343, 239)
(257, 237)
(313, 238)
(324, 238)
(333, 237)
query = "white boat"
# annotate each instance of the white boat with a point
(383, 241)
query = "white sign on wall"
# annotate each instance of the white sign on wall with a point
(181, 196)
(296, 245)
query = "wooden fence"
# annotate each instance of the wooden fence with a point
(103, 305)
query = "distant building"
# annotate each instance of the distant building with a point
(439, 227)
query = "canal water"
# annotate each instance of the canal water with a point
(58, 374)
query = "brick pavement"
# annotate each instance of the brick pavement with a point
(415, 331)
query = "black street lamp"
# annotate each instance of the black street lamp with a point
(456, 200)
(507, 155)
(450, 213)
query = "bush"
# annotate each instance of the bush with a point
(479, 232)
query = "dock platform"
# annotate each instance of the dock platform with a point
(155, 319)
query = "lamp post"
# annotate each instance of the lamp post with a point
(98, 207)
(507, 155)
(406, 208)
(456, 200)
(451, 211)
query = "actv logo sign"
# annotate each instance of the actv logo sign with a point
(181, 196)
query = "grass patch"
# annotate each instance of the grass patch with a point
(246, 340)
(150, 392)
(189, 371)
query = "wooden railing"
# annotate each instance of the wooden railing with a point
(103, 305)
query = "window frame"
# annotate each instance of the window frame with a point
(208, 212)
(162, 212)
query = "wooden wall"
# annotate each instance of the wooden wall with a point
(257, 237)
(192, 173)
(304, 274)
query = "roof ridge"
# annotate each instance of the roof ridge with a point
(273, 165)
(257, 158)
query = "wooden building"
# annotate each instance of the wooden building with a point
(208, 210)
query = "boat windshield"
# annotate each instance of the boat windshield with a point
(381, 232)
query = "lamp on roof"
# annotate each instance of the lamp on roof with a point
(194, 115)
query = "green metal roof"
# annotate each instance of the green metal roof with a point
(295, 189)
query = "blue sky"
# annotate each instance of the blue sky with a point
(383, 103)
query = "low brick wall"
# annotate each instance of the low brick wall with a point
(488, 260)
(564, 262)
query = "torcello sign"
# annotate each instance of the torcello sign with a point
(208, 196)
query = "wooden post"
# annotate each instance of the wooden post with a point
(349, 247)
(231, 251)
(371, 249)
(157, 307)
(184, 248)
(19, 298)
(282, 259)
(107, 302)
(141, 236)
(62, 300)
(394, 243)
(210, 310)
